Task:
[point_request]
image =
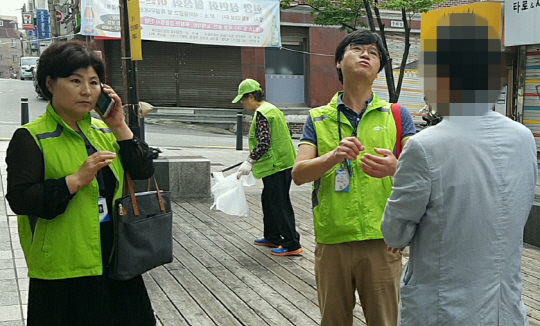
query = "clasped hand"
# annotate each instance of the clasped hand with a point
(375, 166)
(88, 170)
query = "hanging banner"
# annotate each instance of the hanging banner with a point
(134, 17)
(232, 23)
(521, 22)
(43, 29)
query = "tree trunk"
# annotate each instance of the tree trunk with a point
(405, 52)
(388, 71)
(369, 15)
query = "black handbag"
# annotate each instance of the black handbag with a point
(142, 232)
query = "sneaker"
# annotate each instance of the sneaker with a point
(265, 243)
(280, 251)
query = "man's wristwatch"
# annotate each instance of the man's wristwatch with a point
(250, 160)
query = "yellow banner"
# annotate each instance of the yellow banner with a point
(492, 11)
(134, 16)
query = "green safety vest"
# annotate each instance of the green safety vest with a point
(282, 153)
(69, 245)
(355, 215)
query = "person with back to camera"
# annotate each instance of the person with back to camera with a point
(463, 189)
(64, 171)
(271, 158)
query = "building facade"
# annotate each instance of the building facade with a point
(11, 47)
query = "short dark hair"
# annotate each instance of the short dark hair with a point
(61, 59)
(361, 37)
(257, 95)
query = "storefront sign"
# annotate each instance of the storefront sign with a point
(218, 22)
(43, 24)
(134, 17)
(27, 21)
(521, 22)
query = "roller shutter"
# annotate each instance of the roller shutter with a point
(208, 75)
(181, 74)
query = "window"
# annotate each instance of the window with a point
(13, 43)
(1, 23)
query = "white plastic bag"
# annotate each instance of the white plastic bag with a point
(229, 195)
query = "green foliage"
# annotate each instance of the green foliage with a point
(411, 6)
(344, 13)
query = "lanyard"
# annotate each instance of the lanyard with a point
(339, 124)
(91, 150)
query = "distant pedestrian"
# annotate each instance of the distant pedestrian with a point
(272, 157)
(463, 190)
(64, 172)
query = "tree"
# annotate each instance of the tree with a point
(348, 13)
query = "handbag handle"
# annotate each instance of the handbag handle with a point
(134, 198)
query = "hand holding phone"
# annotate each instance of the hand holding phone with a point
(104, 105)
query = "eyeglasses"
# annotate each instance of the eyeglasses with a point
(359, 49)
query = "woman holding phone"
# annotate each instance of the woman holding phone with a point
(65, 170)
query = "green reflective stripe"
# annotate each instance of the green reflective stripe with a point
(103, 130)
(54, 134)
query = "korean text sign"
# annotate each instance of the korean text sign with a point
(521, 22)
(219, 22)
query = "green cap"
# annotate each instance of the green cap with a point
(245, 87)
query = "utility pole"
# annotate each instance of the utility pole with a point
(129, 69)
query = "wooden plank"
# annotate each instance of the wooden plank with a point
(231, 309)
(295, 271)
(232, 274)
(165, 310)
(264, 268)
(182, 300)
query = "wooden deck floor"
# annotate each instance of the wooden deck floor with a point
(219, 277)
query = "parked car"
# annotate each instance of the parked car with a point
(34, 79)
(25, 66)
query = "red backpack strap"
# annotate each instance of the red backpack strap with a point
(397, 118)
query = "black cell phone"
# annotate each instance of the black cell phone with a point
(104, 105)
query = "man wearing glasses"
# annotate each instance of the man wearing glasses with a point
(347, 151)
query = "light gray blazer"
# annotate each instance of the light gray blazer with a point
(461, 196)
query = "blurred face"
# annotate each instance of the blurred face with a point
(76, 95)
(249, 103)
(360, 61)
(463, 66)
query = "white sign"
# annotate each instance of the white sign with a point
(218, 22)
(396, 23)
(521, 22)
(27, 19)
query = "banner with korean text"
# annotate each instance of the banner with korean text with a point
(252, 23)
(521, 22)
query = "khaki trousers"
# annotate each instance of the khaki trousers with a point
(363, 266)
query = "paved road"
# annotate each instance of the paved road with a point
(12, 90)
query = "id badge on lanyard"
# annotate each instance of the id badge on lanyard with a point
(343, 180)
(343, 174)
(103, 211)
